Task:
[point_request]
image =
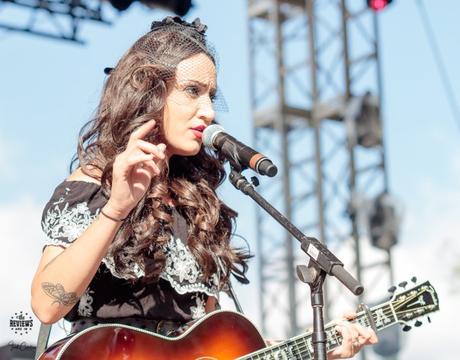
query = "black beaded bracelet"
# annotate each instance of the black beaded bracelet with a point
(112, 218)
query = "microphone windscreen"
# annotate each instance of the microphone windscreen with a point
(210, 133)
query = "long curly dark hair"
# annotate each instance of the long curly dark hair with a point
(135, 93)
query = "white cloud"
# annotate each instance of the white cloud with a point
(430, 248)
(21, 237)
(428, 262)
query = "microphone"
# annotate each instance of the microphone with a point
(239, 154)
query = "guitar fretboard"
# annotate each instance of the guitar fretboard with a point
(301, 347)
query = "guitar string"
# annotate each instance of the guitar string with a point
(308, 347)
(294, 346)
(387, 311)
(362, 318)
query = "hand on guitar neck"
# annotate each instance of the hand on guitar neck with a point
(354, 336)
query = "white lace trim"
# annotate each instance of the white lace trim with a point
(62, 226)
(110, 264)
(183, 271)
(66, 223)
(56, 242)
(199, 310)
(84, 306)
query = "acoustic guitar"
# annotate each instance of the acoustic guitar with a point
(223, 335)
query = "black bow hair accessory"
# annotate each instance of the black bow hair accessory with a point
(172, 20)
(176, 20)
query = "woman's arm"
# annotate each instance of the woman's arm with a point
(64, 274)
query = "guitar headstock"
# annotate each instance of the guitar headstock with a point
(415, 302)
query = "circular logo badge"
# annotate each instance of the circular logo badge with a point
(21, 323)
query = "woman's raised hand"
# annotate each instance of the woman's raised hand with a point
(133, 171)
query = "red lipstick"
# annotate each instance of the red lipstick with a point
(198, 131)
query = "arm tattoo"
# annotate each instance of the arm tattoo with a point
(60, 296)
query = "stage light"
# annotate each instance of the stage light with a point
(384, 221)
(179, 7)
(362, 117)
(121, 5)
(377, 5)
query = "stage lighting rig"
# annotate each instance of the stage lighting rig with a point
(62, 19)
(179, 7)
(53, 19)
(378, 5)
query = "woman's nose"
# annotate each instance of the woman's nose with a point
(206, 111)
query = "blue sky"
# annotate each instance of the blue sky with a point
(48, 89)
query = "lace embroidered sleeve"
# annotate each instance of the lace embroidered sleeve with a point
(72, 208)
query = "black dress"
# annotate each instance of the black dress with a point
(180, 295)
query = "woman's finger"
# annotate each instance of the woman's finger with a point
(365, 335)
(345, 350)
(148, 168)
(151, 167)
(141, 131)
(354, 337)
(350, 341)
(138, 158)
(350, 332)
(350, 315)
(157, 150)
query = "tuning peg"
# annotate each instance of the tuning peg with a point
(414, 279)
(406, 328)
(392, 289)
(429, 319)
(403, 284)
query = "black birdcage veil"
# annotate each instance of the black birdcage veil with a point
(186, 60)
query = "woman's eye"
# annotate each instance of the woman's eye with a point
(193, 91)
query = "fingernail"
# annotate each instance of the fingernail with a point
(162, 147)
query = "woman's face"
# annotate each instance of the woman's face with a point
(189, 109)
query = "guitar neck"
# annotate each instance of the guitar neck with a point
(301, 347)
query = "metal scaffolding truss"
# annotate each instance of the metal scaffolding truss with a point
(54, 19)
(309, 62)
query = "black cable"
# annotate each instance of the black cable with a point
(439, 62)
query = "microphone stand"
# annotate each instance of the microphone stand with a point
(321, 261)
